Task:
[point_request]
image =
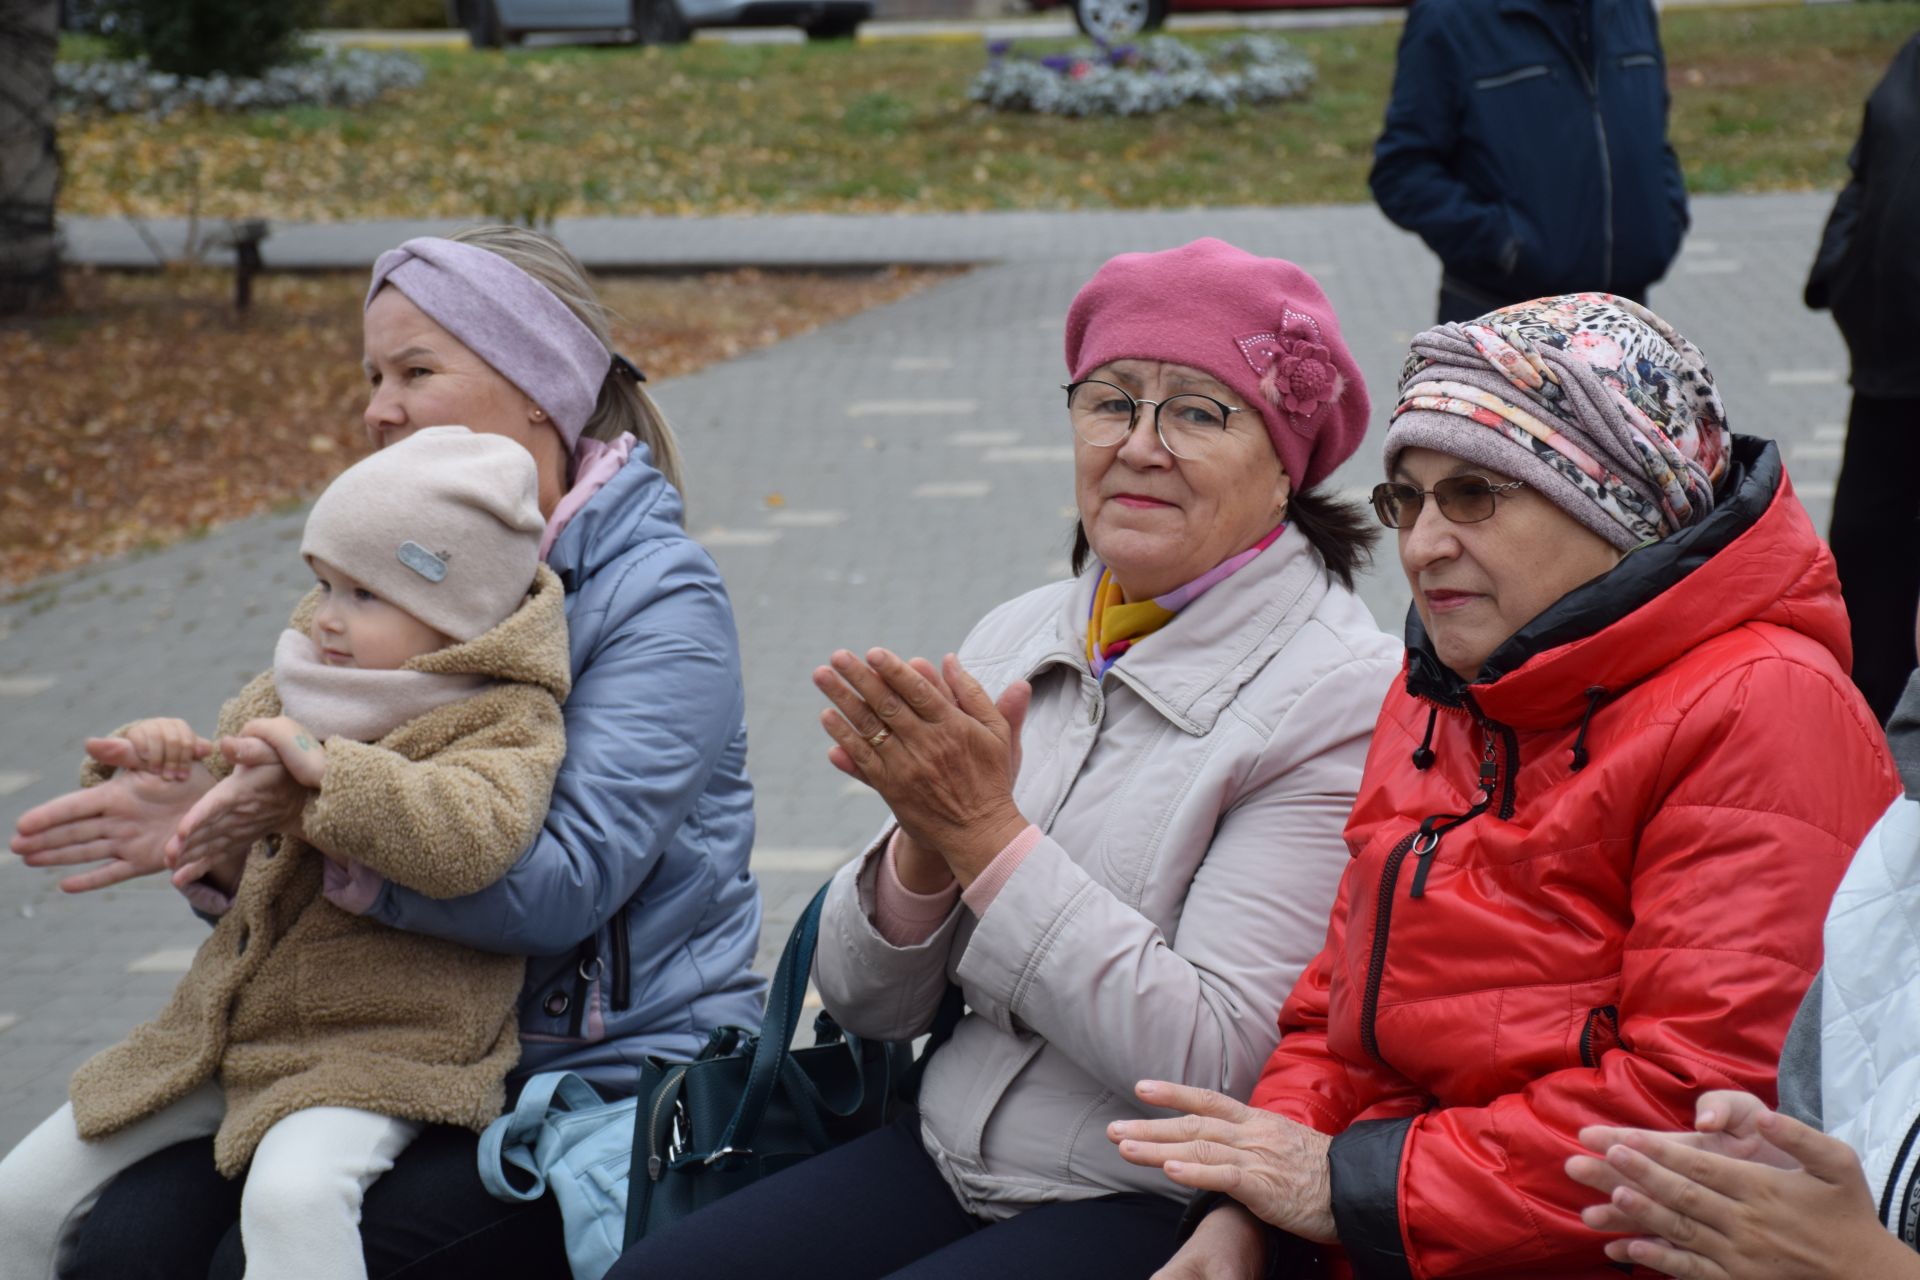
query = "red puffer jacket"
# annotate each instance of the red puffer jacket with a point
(1585, 887)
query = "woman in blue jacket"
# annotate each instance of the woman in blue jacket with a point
(634, 904)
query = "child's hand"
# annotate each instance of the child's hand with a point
(163, 747)
(298, 750)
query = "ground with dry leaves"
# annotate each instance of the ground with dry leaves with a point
(145, 409)
(1763, 98)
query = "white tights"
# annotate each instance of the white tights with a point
(299, 1212)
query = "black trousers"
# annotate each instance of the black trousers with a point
(173, 1217)
(877, 1207)
(1875, 538)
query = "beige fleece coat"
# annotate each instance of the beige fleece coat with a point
(293, 1003)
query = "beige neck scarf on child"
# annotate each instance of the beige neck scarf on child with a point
(350, 702)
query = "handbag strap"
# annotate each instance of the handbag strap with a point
(953, 1007)
(511, 1140)
(784, 1000)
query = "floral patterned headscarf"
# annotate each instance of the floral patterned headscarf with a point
(1590, 398)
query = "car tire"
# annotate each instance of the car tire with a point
(840, 28)
(481, 18)
(1111, 20)
(660, 22)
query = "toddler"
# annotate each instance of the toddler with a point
(417, 695)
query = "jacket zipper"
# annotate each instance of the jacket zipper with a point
(621, 979)
(1612, 1014)
(669, 1089)
(1422, 842)
(583, 975)
(1893, 1176)
(1377, 963)
(1589, 77)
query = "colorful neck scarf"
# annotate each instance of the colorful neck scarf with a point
(1115, 625)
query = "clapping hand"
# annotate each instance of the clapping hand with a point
(261, 797)
(940, 752)
(1749, 1195)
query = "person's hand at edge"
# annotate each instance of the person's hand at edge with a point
(1701, 1215)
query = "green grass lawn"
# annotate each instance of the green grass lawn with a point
(1763, 99)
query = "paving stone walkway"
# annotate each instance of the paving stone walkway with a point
(884, 480)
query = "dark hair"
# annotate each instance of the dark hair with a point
(1340, 531)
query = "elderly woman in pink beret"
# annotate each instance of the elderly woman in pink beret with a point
(1116, 813)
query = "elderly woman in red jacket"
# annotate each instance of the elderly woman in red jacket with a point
(1599, 825)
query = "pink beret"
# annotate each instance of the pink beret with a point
(1260, 325)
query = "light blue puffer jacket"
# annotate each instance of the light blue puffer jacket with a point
(644, 851)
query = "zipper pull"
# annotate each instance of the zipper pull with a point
(1489, 771)
(1423, 848)
(654, 1167)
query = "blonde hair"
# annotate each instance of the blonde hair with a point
(624, 404)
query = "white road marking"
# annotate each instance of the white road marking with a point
(1710, 266)
(813, 860)
(1814, 490)
(785, 519)
(912, 364)
(953, 489)
(8, 1019)
(1830, 431)
(721, 537)
(166, 960)
(1032, 453)
(910, 408)
(983, 439)
(12, 782)
(25, 686)
(1802, 377)
(1816, 452)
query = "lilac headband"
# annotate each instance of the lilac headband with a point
(509, 319)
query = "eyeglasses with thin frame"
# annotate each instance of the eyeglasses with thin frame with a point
(1462, 499)
(1103, 415)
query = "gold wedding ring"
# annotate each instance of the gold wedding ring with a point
(875, 739)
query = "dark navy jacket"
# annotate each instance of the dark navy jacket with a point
(1529, 168)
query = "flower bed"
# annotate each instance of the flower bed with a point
(344, 79)
(1129, 80)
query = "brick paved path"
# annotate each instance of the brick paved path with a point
(920, 463)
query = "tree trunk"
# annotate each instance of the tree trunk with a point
(29, 162)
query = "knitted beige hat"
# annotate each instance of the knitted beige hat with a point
(445, 524)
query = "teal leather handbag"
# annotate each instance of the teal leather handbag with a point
(750, 1105)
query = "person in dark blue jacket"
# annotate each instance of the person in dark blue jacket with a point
(1526, 143)
(634, 905)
